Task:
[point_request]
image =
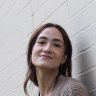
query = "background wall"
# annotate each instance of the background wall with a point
(17, 20)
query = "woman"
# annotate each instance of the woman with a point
(49, 63)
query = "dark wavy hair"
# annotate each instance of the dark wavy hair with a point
(64, 69)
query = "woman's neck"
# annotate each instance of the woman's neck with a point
(46, 81)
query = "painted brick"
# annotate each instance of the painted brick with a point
(46, 10)
(14, 7)
(20, 32)
(17, 20)
(60, 15)
(36, 4)
(84, 39)
(93, 93)
(12, 69)
(84, 61)
(5, 7)
(9, 28)
(82, 20)
(89, 79)
(12, 83)
(12, 53)
(76, 5)
(16, 92)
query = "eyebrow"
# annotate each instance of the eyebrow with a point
(54, 39)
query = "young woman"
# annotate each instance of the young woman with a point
(49, 63)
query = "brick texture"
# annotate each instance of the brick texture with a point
(17, 20)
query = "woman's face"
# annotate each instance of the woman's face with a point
(48, 50)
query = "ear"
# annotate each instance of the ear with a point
(64, 59)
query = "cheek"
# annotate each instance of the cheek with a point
(60, 55)
(33, 57)
(35, 52)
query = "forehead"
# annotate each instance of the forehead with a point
(51, 32)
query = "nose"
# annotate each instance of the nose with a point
(48, 48)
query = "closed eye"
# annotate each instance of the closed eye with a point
(41, 42)
(57, 45)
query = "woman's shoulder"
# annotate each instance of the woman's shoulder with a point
(71, 86)
(69, 81)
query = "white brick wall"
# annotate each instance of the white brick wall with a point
(17, 20)
(15, 26)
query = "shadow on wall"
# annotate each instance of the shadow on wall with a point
(87, 67)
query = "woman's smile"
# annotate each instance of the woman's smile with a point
(48, 50)
(50, 65)
(45, 57)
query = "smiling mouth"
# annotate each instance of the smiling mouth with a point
(46, 57)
